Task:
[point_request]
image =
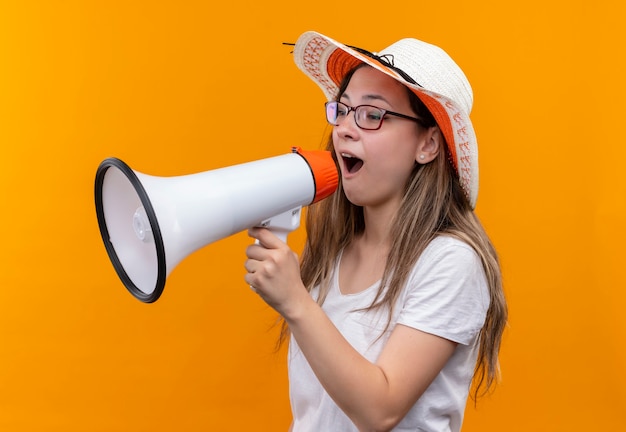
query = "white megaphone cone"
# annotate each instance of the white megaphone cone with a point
(150, 224)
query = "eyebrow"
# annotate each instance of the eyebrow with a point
(368, 97)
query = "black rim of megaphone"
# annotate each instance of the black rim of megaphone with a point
(156, 231)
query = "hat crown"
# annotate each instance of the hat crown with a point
(433, 69)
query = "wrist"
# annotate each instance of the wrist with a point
(299, 308)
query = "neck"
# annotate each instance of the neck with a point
(378, 226)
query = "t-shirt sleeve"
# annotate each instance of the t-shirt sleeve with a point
(447, 293)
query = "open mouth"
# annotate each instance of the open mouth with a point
(352, 164)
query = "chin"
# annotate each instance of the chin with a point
(356, 198)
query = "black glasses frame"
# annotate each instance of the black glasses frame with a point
(383, 111)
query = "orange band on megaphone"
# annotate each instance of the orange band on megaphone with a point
(324, 171)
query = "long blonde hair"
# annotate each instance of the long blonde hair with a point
(433, 204)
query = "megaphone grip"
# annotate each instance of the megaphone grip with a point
(324, 169)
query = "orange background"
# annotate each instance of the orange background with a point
(181, 87)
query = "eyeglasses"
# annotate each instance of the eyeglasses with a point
(366, 117)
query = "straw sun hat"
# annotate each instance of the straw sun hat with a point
(426, 69)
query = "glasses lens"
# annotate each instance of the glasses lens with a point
(369, 117)
(336, 112)
(331, 112)
(366, 116)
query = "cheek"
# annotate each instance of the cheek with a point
(400, 148)
(391, 168)
(400, 157)
(410, 144)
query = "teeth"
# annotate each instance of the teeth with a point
(346, 155)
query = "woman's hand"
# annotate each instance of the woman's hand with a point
(274, 272)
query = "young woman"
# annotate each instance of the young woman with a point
(396, 307)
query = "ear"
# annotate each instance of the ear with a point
(429, 145)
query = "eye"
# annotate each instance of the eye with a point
(372, 114)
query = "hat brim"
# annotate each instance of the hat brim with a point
(327, 62)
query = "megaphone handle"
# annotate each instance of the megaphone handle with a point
(283, 223)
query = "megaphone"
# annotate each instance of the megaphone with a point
(150, 224)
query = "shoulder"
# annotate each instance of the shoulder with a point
(447, 292)
(446, 243)
(448, 254)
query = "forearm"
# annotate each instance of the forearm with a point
(359, 387)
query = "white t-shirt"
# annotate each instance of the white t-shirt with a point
(446, 295)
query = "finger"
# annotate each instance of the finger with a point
(253, 232)
(249, 266)
(256, 252)
(265, 237)
(249, 279)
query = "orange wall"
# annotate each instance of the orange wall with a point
(185, 87)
